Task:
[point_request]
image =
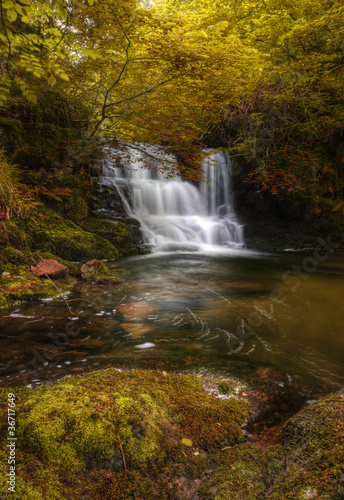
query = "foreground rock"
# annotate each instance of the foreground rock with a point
(96, 271)
(49, 268)
(156, 435)
(71, 435)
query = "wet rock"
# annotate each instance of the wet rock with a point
(137, 311)
(107, 197)
(132, 221)
(95, 271)
(144, 249)
(50, 268)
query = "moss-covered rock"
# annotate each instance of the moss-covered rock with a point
(122, 235)
(45, 231)
(309, 463)
(21, 285)
(153, 435)
(96, 271)
(71, 243)
(313, 442)
(74, 431)
(244, 473)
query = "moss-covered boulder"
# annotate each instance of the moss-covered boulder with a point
(71, 243)
(313, 442)
(244, 473)
(59, 237)
(122, 235)
(308, 464)
(96, 271)
(71, 435)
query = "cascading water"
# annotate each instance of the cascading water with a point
(176, 214)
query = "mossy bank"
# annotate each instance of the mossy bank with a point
(155, 435)
(64, 229)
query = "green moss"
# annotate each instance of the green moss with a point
(96, 271)
(119, 234)
(313, 441)
(71, 243)
(70, 436)
(47, 232)
(243, 474)
(73, 430)
(224, 387)
(309, 461)
(68, 192)
(23, 285)
(16, 236)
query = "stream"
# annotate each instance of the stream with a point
(188, 311)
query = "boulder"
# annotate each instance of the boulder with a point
(95, 271)
(50, 268)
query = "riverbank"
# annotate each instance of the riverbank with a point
(46, 234)
(153, 434)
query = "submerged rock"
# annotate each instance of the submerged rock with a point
(137, 311)
(136, 329)
(50, 268)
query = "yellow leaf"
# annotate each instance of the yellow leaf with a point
(8, 4)
(51, 80)
(187, 442)
(12, 15)
(19, 9)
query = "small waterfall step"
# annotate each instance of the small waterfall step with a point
(176, 214)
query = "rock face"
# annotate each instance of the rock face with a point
(137, 311)
(50, 268)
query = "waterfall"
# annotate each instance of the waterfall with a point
(176, 214)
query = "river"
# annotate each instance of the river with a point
(188, 311)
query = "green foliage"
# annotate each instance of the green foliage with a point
(31, 35)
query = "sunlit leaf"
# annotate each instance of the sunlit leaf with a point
(187, 442)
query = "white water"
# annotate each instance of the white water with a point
(176, 214)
